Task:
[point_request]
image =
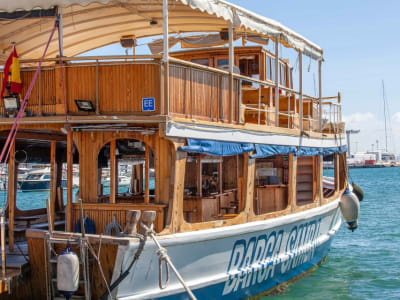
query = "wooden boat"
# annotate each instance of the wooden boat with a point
(239, 203)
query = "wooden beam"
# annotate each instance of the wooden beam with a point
(37, 136)
(70, 161)
(292, 186)
(199, 179)
(12, 193)
(53, 181)
(337, 172)
(59, 196)
(147, 173)
(320, 175)
(179, 183)
(113, 171)
(220, 178)
(249, 165)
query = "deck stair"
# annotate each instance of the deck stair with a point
(17, 265)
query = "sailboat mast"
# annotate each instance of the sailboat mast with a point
(384, 113)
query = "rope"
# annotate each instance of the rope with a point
(139, 251)
(13, 132)
(99, 263)
(113, 226)
(163, 257)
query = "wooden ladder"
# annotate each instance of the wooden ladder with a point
(51, 274)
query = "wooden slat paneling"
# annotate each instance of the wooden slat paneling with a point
(102, 214)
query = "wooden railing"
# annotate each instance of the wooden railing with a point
(198, 92)
(116, 85)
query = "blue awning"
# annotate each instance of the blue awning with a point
(263, 150)
(217, 148)
(220, 148)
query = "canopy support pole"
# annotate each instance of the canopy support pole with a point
(320, 93)
(277, 81)
(12, 195)
(231, 64)
(165, 58)
(60, 30)
(301, 89)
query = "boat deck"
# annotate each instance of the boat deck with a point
(17, 264)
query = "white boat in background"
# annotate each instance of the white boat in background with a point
(39, 180)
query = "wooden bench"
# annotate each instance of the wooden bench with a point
(46, 225)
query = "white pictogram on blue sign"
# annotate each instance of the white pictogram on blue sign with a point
(148, 104)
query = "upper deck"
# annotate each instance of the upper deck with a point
(193, 87)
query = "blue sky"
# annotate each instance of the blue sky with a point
(361, 48)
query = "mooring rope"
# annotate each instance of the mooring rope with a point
(163, 257)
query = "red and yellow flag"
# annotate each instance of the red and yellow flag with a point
(12, 74)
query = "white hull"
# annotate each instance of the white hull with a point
(232, 262)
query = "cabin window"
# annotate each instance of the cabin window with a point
(249, 65)
(273, 69)
(269, 69)
(282, 74)
(201, 61)
(271, 184)
(222, 62)
(329, 182)
(34, 176)
(306, 179)
(129, 172)
(211, 187)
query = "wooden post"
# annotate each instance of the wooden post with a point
(113, 171)
(248, 186)
(320, 177)
(59, 188)
(337, 171)
(220, 183)
(53, 181)
(199, 178)
(12, 193)
(277, 80)
(320, 93)
(231, 64)
(147, 173)
(301, 89)
(292, 182)
(70, 161)
(97, 88)
(179, 184)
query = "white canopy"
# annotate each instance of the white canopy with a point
(89, 24)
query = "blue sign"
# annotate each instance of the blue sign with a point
(148, 104)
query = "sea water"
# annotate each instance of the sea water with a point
(364, 264)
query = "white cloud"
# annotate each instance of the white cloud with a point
(372, 130)
(359, 117)
(396, 117)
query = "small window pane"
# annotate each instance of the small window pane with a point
(201, 61)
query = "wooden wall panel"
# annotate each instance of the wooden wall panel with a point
(102, 214)
(202, 94)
